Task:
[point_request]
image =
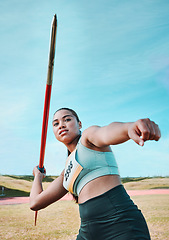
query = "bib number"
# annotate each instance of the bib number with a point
(72, 171)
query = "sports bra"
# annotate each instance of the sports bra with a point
(84, 164)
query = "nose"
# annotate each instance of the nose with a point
(61, 125)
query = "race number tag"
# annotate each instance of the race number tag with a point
(72, 170)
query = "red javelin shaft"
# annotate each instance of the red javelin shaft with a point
(48, 93)
(44, 126)
(47, 97)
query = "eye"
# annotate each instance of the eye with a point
(67, 119)
(55, 124)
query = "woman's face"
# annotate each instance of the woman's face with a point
(65, 126)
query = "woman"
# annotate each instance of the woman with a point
(91, 174)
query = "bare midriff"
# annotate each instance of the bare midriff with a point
(98, 186)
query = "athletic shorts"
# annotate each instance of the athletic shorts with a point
(112, 216)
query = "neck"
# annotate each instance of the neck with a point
(71, 146)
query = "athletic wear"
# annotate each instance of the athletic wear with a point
(84, 165)
(112, 216)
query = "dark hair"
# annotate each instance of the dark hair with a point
(77, 118)
(70, 110)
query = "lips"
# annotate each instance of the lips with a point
(63, 131)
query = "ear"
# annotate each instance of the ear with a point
(80, 125)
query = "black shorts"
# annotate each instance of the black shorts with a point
(112, 216)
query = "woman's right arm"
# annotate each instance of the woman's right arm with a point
(117, 132)
(40, 199)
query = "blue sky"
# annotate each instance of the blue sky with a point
(111, 64)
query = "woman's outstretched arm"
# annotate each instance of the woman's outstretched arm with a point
(40, 199)
(117, 132)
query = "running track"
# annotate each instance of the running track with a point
(68, 197)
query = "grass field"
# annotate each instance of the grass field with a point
(58, 221)
(16, 186)
(61, 219)
(156, 211)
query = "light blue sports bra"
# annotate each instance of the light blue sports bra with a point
(84, 164)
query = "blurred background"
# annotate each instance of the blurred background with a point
(111, 64)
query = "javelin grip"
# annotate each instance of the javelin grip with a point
(42, 170)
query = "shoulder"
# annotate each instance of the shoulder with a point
(89, 132)
(87, 135)
(90, 138)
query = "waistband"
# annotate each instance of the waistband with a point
(113, 201)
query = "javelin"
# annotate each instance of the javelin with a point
(47, 97)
